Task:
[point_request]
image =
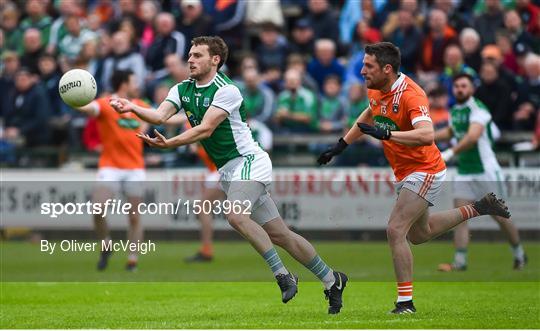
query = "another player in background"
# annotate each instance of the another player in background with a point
(213, 191)
(398, 115)
(215, 110)
(121, 163)
(478, 170)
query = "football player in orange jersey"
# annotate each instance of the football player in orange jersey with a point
(121, 163)
(212, 191)
(398, 115)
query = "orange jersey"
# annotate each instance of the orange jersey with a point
(405, 105)
(121, 148)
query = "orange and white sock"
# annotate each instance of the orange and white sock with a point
(207, 250)
(468, 212)
(404, 290)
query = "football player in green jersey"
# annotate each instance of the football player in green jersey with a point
(215, 110)
(478, 171)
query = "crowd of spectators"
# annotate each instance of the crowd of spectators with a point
(297, 62)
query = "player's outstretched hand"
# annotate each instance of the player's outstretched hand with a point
(158, 141)
(121, 105)
(375, 132)
(337, 149)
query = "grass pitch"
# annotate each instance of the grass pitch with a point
(236, 291)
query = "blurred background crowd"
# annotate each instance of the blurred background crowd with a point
(297, 63)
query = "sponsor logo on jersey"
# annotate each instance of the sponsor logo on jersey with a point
(128, 123)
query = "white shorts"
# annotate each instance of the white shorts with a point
(127, 181)
(253, 167)
(427, 186)
(211, 180)
(475, 186)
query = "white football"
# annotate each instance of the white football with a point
(77, 87)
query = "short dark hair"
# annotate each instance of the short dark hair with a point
(216, 46)
(463, 75)
(120, 77)
(333, 77)
(385, 53)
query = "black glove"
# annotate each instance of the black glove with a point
(338, 148)
(381, 134)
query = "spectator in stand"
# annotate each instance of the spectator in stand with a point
(50, 77)
(364, 34)
(435, 42)
(528, 99)
(366, 150)
(148, 12)
(458, 13)
(490, 21)
(177, 71)
(297, 106)
(258, 99)
(438, 111)
(59, 118)
(37, 19)
(323, 19)
(71, 44)
(325, 62)
(125, 9)
(59, 30)
(297, 62)
(33, 48)
(27, 111)
(357, 103)
(393, 21)
(167, 41)
(504, 44)
(273, 50)
(303, 38)
(493, 54)
(331, 117)
(9, 23)
(11, 64)
(128, 25)
(496, 94)
(193, 22)
(518, 34)
(453, 65)
(123, 58)
(529, 14)
(469, 41)
(408, 38)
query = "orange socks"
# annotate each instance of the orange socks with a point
(404, 291)
(468, 212)
(207, 250)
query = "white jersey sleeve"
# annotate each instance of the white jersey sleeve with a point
(228, 98)
(479, 115)
(174, 97)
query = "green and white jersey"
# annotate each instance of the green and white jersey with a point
(232, 138)
(480, 158)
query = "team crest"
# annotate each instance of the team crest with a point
(395, 108)
(206, 102)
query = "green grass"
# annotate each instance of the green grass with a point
(236, 291)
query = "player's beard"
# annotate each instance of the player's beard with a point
(203, 71)
(461, 97)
